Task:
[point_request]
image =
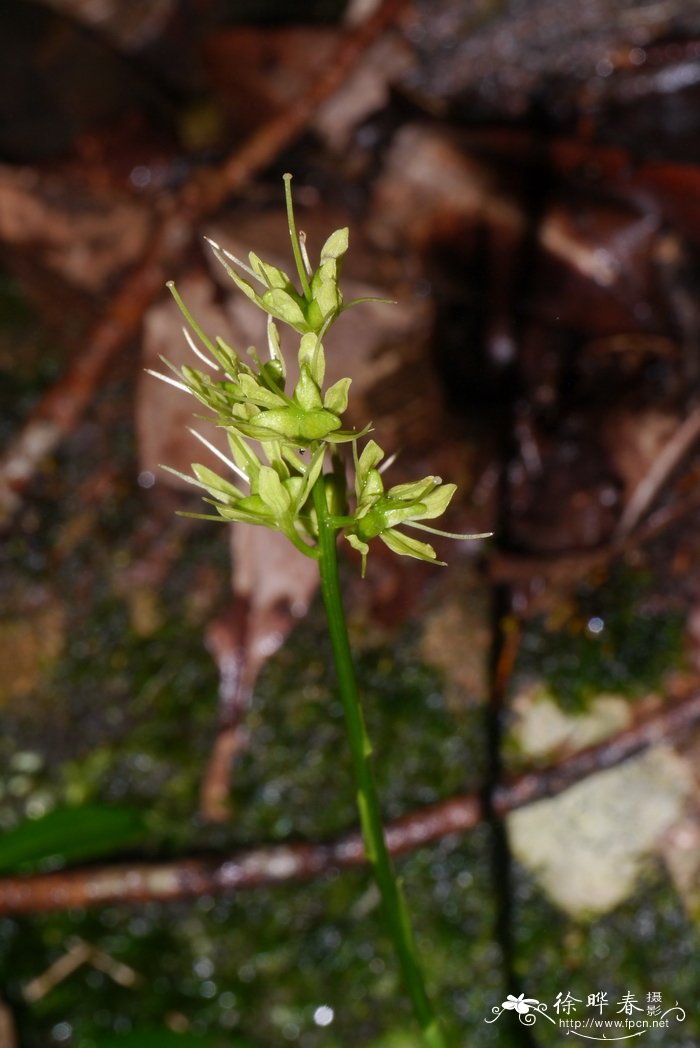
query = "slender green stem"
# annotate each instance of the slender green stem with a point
(296, 250)
(395, 908)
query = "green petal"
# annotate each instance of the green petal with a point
(250, 510)
(215, 484)
(326, 295)
(270, 275)
(437, 501)
(370, 458)
(311, 476)
(311, 353)
(336, 245)
(315, 319)
(294, 487)
(239, 516)
(408, 547)
(255, 393)
(242, 285)
(281, 305)
(394, 514)
(272, 376)
(306, 392)
(255, 507)
(244, 457)
(414, 491)
(373, 486)
(269, 425)
(336, 398)
(273, 493)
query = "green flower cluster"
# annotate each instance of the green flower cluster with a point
(378, 513)
(279, 440)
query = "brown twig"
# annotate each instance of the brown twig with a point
(652, 482)
(77, 954)
(58, 412)
(274, 864)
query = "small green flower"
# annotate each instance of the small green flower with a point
(279, 491)
(320, 300)
(379, 512)
(254, 401)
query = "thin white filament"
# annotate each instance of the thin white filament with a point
(170, 381)
(273, 348)
(389, 462)
(224, 458)
(445, 534)
(304, 254)
(198, 353)
(219, 251)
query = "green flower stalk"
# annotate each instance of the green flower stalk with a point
(280, 442)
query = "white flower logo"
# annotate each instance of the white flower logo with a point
(520, 1004)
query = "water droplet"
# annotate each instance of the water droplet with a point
(324, 1015)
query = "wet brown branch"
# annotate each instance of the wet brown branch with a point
(59, 410)
(280, 863)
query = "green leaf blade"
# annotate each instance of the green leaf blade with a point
(69, 834)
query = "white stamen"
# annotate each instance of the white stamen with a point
(198, 353)
(222, 253)
(304, 255)
(445, 534)
(389, 462)
(212, 447)
(272, 341)
(170, 381)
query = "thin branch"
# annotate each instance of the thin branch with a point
(280, 863)
(78, 953)
(658, 474)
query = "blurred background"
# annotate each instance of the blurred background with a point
(523, 179)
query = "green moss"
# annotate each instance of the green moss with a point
(261, 965)
(611, 639)
(645, 945)
(298, 750)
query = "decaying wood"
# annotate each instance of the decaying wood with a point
(57, 413)
(274, 864)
